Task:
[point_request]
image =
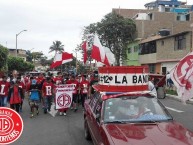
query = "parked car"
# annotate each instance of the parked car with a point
(133, 118)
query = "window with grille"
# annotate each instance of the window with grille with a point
(180, 42)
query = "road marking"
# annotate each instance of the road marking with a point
(53, 112)
(179, 111)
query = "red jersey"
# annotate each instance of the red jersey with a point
(39, 80)
(47, 89)
(76, 85)
(26, 80)
(28, 86)
(58, 80)
(84, 86)
(21, 85)
(4, 88)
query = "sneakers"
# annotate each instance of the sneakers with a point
(32, 115)
(60, 113)
(64, 114)
(45, 111)
(37, 112)
(75, 109)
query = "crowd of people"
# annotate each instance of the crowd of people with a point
(40, 90)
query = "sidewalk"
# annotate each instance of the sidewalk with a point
(190, 101)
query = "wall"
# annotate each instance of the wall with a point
(166, 51)
(133, 57)
(148, 58)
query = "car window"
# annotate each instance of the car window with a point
(135, 109)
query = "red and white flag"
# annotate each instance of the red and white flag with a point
(182, 76)
(98, 52)
(85, 48)
(61, 58)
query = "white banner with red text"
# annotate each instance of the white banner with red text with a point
(63, 98)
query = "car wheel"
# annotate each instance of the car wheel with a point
(86, 131)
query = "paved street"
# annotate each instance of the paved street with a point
(48, 130)
(68, 130)
(181, 113)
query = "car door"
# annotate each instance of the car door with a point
(90, 113)
(96, 126)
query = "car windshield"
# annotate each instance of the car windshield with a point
(135, 109)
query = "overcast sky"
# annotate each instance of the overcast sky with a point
(50, 20)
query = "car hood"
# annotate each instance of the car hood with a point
(166, 133)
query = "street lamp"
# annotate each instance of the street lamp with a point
(16, 39)
(191, 26)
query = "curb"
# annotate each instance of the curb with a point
(178, 98)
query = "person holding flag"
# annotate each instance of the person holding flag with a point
(182, 77)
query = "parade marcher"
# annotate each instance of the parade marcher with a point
(152, 87)
(4, 88)
(34, 97)
(58, 81)
(75, 92)
(22, 86)
(47, 94)
(15, 96)
(84, 86)
(93, 81)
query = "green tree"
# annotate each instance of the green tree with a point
(29, 56)
(16, 63)
(115, 32)
(57, 47)
(3, 57)
(37, 56)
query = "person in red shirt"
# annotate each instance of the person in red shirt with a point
(59, 79)
(84, 86)
(22, 86)
(47, 94)
(75, 91)
(15, 96)
(4, 89)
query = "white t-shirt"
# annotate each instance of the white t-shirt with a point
(152, 88)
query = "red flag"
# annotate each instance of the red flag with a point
(61, 58)
(98, 53)
(182, 76)
(85, 47)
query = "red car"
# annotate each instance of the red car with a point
(134, 118)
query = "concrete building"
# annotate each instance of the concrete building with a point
(20, 53)
(162, 53)
(161, 18)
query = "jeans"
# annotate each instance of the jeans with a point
(48, 103)
(3, 101)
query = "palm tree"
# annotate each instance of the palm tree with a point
(57, 47)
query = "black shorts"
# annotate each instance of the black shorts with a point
(75, 98)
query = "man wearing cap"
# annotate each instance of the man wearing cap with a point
(34, 97)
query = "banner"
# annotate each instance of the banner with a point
(63, 96)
